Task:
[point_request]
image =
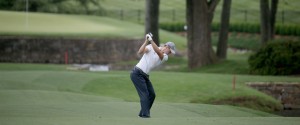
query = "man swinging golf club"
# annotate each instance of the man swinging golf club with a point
(153, 56)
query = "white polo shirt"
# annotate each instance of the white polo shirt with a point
(150, 60)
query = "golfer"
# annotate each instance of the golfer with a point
(153, 56)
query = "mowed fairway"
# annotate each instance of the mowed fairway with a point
(35, 96)
(75, 26)
(59, 25)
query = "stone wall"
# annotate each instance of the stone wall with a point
(52, 50)
(287, 93)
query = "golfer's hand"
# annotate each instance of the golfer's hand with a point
(149, 37)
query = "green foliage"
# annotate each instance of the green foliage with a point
(173, 27)
(55, 6)
(277, 58)
(215, 26)
(6, 4)
(288, 30)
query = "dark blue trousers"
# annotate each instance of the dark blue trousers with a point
(145, 90)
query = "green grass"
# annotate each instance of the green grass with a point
(80, 26)
(76, 26)
(252, 7)
(248, 41)
(46, 94)
(32, 107)
(245, 41)
(61, 25)
(236, 63)
(28, 66)
(166, 7)
(140, 4)
(134, 10)
(180, 4)
(180, 87)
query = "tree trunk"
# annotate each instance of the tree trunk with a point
(199, 18)
(273, 17)
(223, 34)
(264, 21)
(152, 18)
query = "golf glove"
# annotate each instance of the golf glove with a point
(149, 37)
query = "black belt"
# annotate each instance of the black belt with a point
(140, 70)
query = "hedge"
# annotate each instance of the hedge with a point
(276, 58)
(292, 30)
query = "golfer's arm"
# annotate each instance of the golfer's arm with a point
(156, 49)
(142, 49)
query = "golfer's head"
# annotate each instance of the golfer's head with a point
(169, 48)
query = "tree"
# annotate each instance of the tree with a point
(6, 4)
(52, 6)
(152, 17)
(264, 21)
(199, 19)
(223, 34)
(273, 17)
(267, 20)
(85, 4)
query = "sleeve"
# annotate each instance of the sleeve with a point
(165, 58)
